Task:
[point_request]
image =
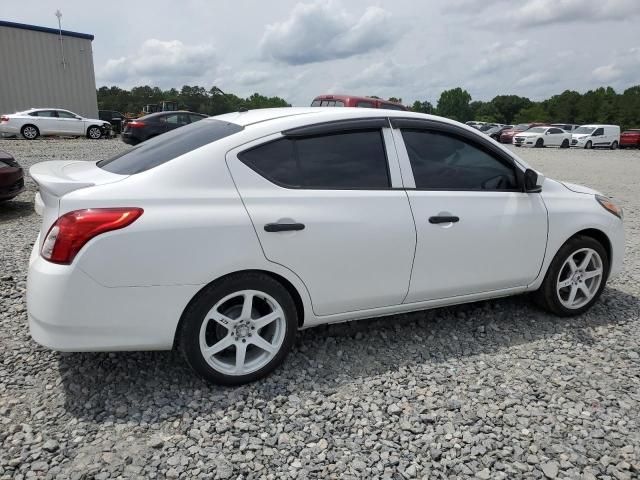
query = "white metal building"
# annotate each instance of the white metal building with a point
(46, 67)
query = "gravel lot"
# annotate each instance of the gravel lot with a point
(489, 390)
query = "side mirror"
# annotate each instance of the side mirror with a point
(532, 181)
(547, 132)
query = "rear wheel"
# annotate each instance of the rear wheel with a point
(539, 143)
(239, 329)
(30, 132)
(565, 143)
(614, 145)
(588, 145)
(576, 277)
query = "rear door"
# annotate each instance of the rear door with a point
(46, 121)
(329, 206)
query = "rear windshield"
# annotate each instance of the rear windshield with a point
(168, 146)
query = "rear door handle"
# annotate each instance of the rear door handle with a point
(283, 227)
(443, 219)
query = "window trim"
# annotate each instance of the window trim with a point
(337, 126)
(296, 136)
(400, 124)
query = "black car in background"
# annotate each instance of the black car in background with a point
(144, 128)
(113, 117)
(11, 177)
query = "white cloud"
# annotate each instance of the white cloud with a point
(164, 63)
(498, 56)
(321, 31)
(251, 77)
(625, 68)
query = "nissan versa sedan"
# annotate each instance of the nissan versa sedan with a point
(225, 237)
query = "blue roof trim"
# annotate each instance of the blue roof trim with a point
(36, 28)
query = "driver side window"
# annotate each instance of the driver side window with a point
(445, 162)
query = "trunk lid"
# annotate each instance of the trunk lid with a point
(59, 177)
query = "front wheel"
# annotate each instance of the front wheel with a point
(588, 145)
(539, 143)
(94, 133)
(576, 277)
(239, 330)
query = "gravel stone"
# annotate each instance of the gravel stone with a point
(493, 390)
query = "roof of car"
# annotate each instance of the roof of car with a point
(265, 114)
(159, 114)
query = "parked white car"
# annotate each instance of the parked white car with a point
(35, 122)
(226, 236)
(543, 137)
(592, 136)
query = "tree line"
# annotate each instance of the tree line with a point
(602, 105)
(196, 99)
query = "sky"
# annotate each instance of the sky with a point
(412, 49)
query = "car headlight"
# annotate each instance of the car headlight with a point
(611, 207)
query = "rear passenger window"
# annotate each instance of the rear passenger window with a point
(346, 160)
(444, 162)
(362, 104)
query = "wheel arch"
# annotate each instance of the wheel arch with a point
(597, 235)
(91, 125)
(293, 291)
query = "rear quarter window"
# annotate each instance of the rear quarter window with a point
(168, 146)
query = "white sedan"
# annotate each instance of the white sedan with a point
(543, 137)
(225, 237)
(35, 122)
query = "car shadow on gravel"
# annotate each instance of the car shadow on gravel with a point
(151, 387)
(12, 209)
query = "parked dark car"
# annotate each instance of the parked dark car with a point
(11, 177)
(113, 117)
(496, 132)
(630, 138)
(149, 126)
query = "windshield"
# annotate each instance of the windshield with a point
(537, 130)
(580, 130)
(484, 128)
(168, 146)
(521, 126)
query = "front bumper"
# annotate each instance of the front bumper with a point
(69, 311)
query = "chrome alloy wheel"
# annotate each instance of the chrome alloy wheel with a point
(242, 332)
(579, 278)
(29, 132)
(95, 133)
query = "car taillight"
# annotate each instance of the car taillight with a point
(135, 124)
(4, 119)
(74, 229)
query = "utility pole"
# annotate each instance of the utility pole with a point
(59, 15)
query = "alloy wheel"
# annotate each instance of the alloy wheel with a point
(29, 132)
(242, 332)
(95, 133)
(579, 278)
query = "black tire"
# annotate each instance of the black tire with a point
(565, 143)
(547, 296)
(588, 145)
(94, 132)
(539, 143)
(26, 132)
(188, 338)
(614, 145)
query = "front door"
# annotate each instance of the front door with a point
(69, 123)
(477, 231)
(325, 207)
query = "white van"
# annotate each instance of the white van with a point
(591, 136)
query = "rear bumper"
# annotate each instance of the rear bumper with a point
(69, 311)
(9, 130)
(129, 139)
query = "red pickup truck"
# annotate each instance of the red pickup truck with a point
(353, 101)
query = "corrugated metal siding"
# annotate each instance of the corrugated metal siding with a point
(32, 74)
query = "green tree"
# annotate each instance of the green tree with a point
(534, 113)
(423, 107)
(508, 106)
(454, 104)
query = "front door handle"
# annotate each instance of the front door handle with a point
(444, 219)
(283, 227)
